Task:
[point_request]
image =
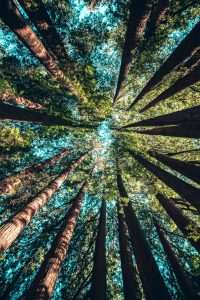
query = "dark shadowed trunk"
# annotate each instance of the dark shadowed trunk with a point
(44, 282)
(152, 281)
(177, 266)
(181, 84)
(182, 152)
(11, 229)
(185, 49)
(184, 189)
(12, 182)
(98, 281)
(130, 283)
(184, 116)
(8, 97)
(185, 224)
(189, 170)
(139, 13)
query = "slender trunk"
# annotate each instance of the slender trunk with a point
(182, 152)
(181, 84)
(98, 281)
(6, 97)
(184, 116)
(185, 224)
(44, 282)
(130, 283)
(185, 49)
(11, 229)
(189, 170)
(15, 21)
(191, 130)
(152, 281)
(192, 62)
(12, 182)
(139, 14)
(177, 266)
(184, 189)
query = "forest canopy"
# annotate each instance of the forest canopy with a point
(99, 149)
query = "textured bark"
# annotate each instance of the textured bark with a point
(191, 130)
(98, 281)
(44, 282)
(185, 224)
(181, 84)
(185, 49)
(178, 117)
(11, 229)
(189, 170)
(184, 189)
(177, 266)
(8, 97)
(130, 283)
(15, 21)
(139, 14)
(12, 182)
(152, 281)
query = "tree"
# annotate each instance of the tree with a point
(98, 280)
(8, 97)
(12, 228)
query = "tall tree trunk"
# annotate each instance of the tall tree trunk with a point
(11, 229)
(184, 116)
(139, 14)
(185, 49)
(152, 281)
(44, 282)
(177, 266)
(189, 170)
(181, 84)
(185, 224)
(182, 152)
(11, 182)
(130, 283)
(98, 281)
(15, 21)
(191, 130)
(6, 97)
(192, 62)
(184, 189)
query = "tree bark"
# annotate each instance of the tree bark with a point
(44, 282)
(181, 84)
(98, 281)
(130, 283)
(177, 266)
(184, 224)
(184, 189)
(139, 14)
(6, 97)
(11, 182)
(189, 170)
(152, 281)
(15, 21)
(189, 45)
(184, 116)
(11, 229)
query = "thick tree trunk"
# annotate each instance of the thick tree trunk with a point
(15, 21)
(98, 281)
(130, 283)
(189, 170)
(8, 97)
(181, 84)
(177, 266)
(185, 224)
(11, 229)
(185, 49)
(178, 117)
(184, 189)
(44, 282)
(152, 281)
(191, 130)
(139, 14)
(11, 182)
